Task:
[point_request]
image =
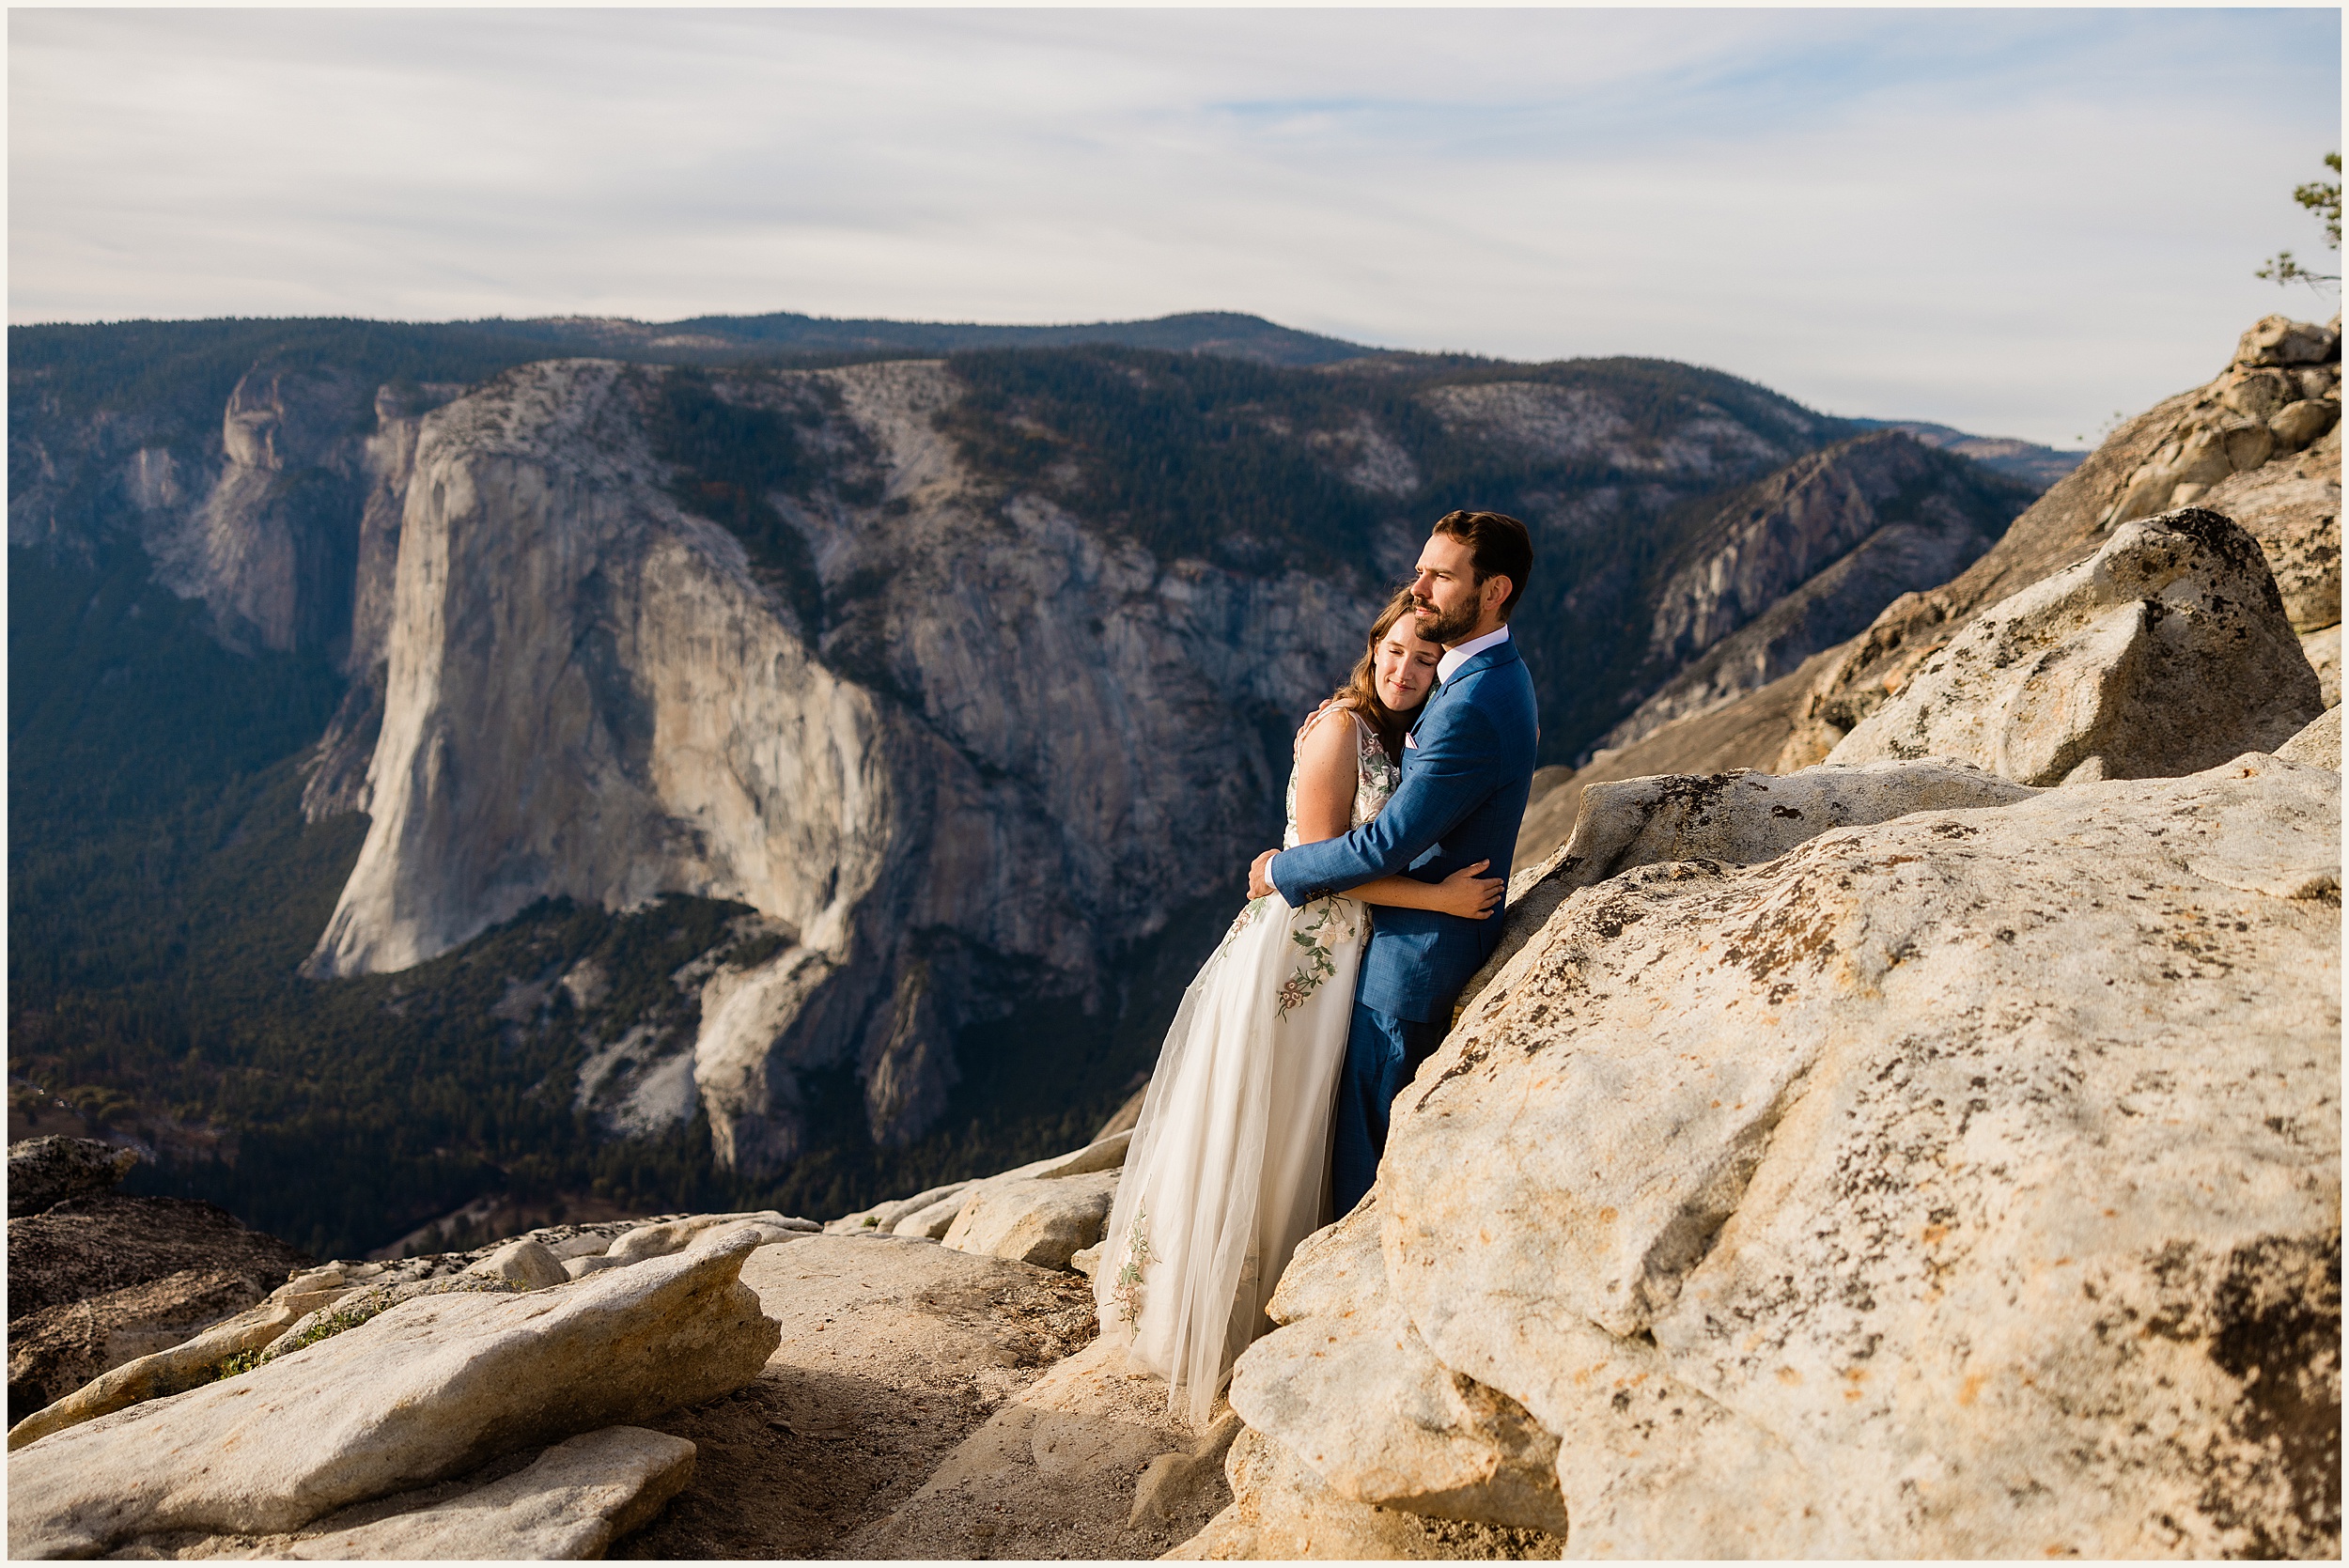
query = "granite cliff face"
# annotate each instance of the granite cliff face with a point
(591, 694)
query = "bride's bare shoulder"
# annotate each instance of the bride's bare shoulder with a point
(1324, 732)
(1319, 721)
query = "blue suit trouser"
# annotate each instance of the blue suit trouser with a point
(1382, 1052)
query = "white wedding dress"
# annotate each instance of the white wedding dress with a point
(1229, 1168)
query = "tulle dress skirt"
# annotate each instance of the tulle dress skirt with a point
(1229, 1168)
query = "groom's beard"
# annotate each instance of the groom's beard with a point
(1438, 626)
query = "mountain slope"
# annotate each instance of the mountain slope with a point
(2033, 464)
(1799, 561)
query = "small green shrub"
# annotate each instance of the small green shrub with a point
(339, 1321)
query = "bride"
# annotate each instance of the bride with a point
(1229, 1166)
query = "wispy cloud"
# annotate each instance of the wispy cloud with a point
(2015, 221)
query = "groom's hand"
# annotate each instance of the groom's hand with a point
(1260, 885)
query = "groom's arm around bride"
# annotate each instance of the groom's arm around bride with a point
(1467, 766)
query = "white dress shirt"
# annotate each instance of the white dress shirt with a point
(1449, 665)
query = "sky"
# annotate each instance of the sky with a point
(2017, 222)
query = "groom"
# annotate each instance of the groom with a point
(1468, 765)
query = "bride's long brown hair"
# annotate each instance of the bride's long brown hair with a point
(1361, 690)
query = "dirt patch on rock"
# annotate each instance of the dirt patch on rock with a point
(1055, 1472)
(894, 1352)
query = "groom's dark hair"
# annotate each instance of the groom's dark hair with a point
(1499, 547)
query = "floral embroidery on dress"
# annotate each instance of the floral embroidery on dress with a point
(1318, 964)
(1128, 1291)
(1375, 781)
(1246, 917)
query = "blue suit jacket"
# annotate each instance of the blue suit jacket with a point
(1461, 800)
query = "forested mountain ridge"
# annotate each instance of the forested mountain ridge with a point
(189, 367)
(1033, 626)
(1226, 334)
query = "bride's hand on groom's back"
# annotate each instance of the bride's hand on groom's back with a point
(1470, 895)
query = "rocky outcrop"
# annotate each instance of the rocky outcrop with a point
(43, 1171)
(1804, 559)
(2164, 652)
(634, 1244)
(2319, 745)
(1735, 818)
(1043, 1223)
(2322, 649)
(2174, 453)
(2292, 505)
(1748, 732)
(1965, 1184)
(1022, 1205)
(570, 1504)
(193, 1359)
(174, 1353)
(919, 1400)
(428, 1391)
(100, 1281)
(2281, 393)
(89, 1246)
(1282, 1510)
(1412, 1435)
(1045, 1209)
(526, 1263)
(978, 1417)
(56, 1354)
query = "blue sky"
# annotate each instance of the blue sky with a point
(2017, 222)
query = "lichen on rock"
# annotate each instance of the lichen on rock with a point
(1963, 1184)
